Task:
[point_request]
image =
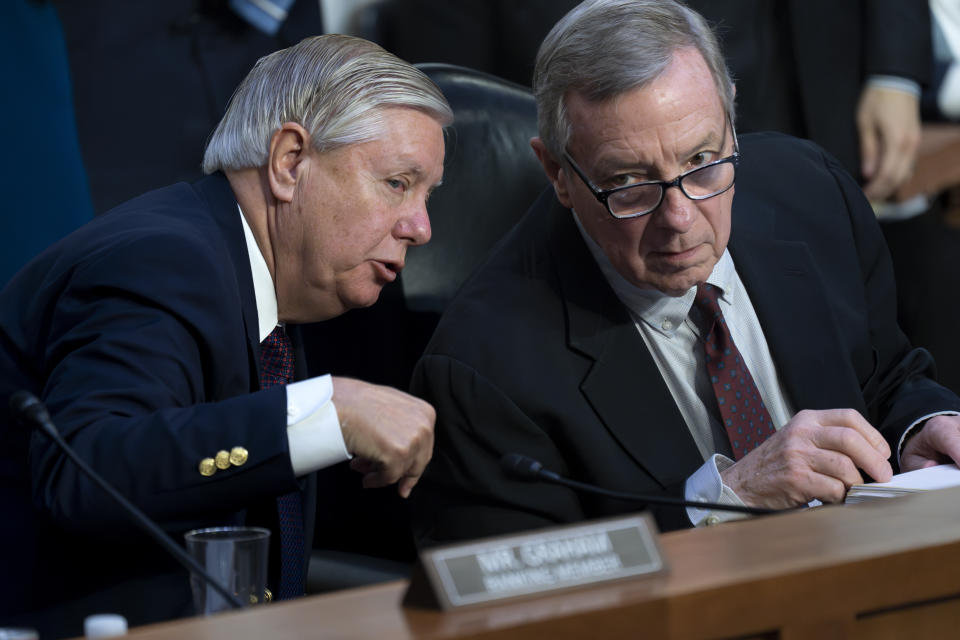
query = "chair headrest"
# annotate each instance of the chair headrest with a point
(491, 176)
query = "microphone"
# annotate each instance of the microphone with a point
(526, 468)
(31, 412)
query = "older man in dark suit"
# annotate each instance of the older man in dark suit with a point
(157, 336)
(648, 329)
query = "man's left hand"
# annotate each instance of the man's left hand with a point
(937, 443)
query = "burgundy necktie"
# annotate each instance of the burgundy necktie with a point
(276, 367)
(742, 410)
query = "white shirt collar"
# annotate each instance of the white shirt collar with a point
(263, 289)
(661, 312)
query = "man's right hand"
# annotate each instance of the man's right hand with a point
(814, 456)
(389, 432)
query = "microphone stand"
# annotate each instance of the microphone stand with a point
(525, 468)
(28, 407)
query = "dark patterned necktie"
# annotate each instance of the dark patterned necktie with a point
(742, 410)
(276, 367)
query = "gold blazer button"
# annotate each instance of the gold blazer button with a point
(238, 456)
(208, 467)
(222, 460)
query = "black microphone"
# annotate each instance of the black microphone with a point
(31, 412)
(526, 468)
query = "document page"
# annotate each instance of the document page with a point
(939, 477)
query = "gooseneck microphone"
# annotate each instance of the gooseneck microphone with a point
(526, 468)
(31, 412)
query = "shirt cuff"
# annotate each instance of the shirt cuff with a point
(917, 423)
(313, 428)
(706, 485)
(897, 83)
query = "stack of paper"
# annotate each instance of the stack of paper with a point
(940, 477)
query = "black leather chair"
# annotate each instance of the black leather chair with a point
(490, 178)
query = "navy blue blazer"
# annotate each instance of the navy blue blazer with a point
(139, 331)
(537, 355)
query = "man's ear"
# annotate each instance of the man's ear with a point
(289, 149)
(556, 174)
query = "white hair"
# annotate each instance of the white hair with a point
(337, 87)
(604, 48)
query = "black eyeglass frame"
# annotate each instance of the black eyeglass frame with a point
(603, 196)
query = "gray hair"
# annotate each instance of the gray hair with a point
(604, 48)
(337, 87)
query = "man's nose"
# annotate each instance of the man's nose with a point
(414, 226)
(676, 211)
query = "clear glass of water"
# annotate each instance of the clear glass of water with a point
(236, 557)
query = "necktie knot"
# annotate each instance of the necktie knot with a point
(708, 300)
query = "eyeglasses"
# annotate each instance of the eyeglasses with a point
(635, 200)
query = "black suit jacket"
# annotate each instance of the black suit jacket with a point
(537, 355)
(139, 331)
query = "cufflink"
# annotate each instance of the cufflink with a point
(238, 456)
(208, 467)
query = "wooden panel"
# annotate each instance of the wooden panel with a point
(820, 629)
(933, 620)
(804, 574)
(938, 162)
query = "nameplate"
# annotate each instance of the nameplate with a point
(541, 561)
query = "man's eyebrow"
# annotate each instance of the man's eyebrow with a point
(609, 164)
(417, 172)
(412, 168)
(709, 140)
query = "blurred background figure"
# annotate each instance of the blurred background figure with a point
(846, 75)
(497, 36)
(849, 76)
(44, 184)
(941, 100)
(162, 72)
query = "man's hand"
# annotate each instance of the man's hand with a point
(888, 121)
(815, 455)
(937, 443)
(389, 432)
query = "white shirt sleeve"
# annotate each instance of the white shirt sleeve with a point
(913, 426)
(706, 485)
(897, 83)
(313, 428)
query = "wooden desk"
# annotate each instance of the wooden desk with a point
(887, 569)
(938, 162)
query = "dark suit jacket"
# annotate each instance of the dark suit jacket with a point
(800, 65)
(537, 355)
(139, 332)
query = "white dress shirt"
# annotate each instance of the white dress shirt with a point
(313, 428)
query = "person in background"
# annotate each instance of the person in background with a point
(51, 198)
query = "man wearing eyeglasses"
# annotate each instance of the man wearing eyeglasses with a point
(682, 313)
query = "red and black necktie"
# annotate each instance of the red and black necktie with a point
(742, 410)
